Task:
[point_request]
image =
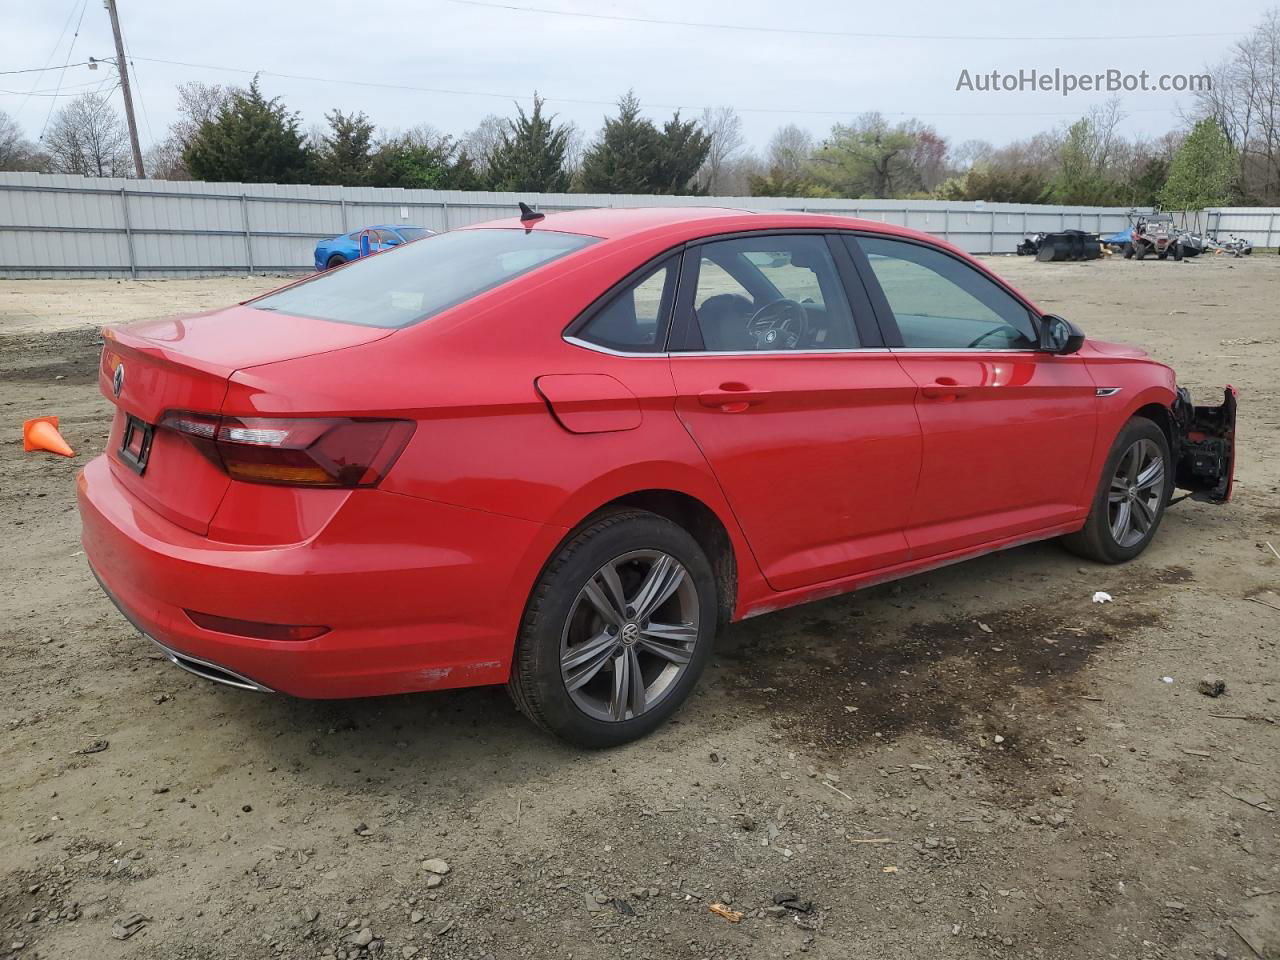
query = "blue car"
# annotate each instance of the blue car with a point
(336, 252)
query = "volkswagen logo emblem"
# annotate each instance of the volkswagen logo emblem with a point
(630, 633)
(117, 379)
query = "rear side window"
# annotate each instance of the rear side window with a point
(417, 281)
(635, 320)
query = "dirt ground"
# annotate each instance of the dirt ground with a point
(976, 762)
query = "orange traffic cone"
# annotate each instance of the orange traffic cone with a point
(42, 434)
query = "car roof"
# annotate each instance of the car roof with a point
(612, 223)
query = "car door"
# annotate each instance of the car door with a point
(1008, 430)
(808, 424)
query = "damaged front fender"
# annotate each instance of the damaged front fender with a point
(1204, 446)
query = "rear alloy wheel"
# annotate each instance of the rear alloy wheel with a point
(617, 631)
(1130, 503)
(638, 616)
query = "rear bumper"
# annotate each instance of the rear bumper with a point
(417, 595)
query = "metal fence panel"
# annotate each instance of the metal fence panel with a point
(56, 225)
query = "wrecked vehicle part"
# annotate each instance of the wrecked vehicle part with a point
(1030, 245)
(1069, 245)
(1204, 446)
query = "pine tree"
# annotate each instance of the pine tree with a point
(530, 153)
(1201, 173)
(251, 140)
(345, 153)
(681, 150)
(623, 159)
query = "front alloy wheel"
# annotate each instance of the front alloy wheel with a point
(1129, 503)
(630, 635)
(1137, 489)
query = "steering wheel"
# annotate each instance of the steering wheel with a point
(993, 331)
(779, 325)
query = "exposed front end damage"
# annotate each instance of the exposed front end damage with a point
(1204, 447)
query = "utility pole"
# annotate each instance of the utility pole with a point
(123, 67)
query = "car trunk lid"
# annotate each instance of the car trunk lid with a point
(183, 364)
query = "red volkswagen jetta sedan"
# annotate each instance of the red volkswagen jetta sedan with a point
(560, 452)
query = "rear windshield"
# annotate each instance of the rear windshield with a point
(412, 233)
(418, 280)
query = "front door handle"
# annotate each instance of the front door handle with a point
(732, 397)
(944, 388)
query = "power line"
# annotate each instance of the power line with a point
(44, 69)
(52, 53)
(70, 48)
(52, 91)
(446, 91)
(857, 34)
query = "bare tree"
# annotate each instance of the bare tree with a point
(16, 151)
(724, 126)
(481, 142)
(88, 137)
(790, 149)
(972, 153)
(1244, 98)
(1104, 119)
(198, 104)
(575, 146)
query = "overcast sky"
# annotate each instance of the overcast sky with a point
(488, 55)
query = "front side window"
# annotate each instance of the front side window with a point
(634, 320)
(424, 278)
(771, 293)
(941, 303)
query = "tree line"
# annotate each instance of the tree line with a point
(1226, 150)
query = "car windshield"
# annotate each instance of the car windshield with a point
(422, 279)
(413, 233)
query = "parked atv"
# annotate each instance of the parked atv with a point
(1156, 234)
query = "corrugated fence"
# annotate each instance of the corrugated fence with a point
(58, 226)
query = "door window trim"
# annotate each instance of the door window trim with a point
(685, 338)
(606, 299)
(884, 312)
(873, 318)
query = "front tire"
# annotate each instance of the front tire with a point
(1137, 482)
(336, 260)
(616, 632)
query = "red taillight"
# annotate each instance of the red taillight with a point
(296, 451)
(252, 628)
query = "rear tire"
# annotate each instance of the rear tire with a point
(600, 660)
(336, 260)
(1137, 481)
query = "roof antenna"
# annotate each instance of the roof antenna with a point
(528, 214)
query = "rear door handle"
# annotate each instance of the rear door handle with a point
(944, 388)
(732, 397)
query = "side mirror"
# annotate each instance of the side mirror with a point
(1059, 336)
